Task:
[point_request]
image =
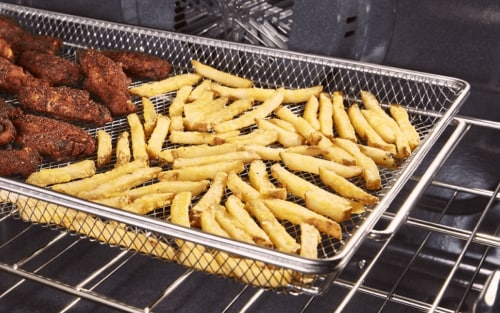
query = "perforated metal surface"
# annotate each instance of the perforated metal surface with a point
(431, 100)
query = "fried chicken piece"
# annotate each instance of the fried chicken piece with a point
(7, 129)
(58, 140)
(19, 162)
(6, 50)
(54, 69)
(64, 102)
(21, 39)
(106, 79)
(40, 43)
(140, 65)
(13, 78)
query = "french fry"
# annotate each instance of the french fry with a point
(150, 116)
(285, 137)
(174, 187)
(169, 155)
(169, 84)
(309, 241)
(381, 157)
(78, 186)
(230, 111)
(220, 76)
(325, 115)
(104, 148)
(259, 178)
(213, 195)
(123, 154)
(265, 153)
(345, 188)
(248, 118)
(283, 124)
(158, 137)
(306, 163)
(380, 125)
(197, 110)
(138, 137)
(341, 120)
(121, 183)
(176, 108)
(148, 203)
(51, 176)
(332, 205)
(241, 189)
(310, 113)
(334, 153)
(198, 138)
(176, 123)
(297, 214)
(179, 210)
(201, 91)
(236, 208)
(276, 232)
(244, 156)
(263, 137)
(303, 127)
(261, 94)
(399, 114)
(196, 173)
(366, 131)
(370, 173)
(232, 227)
(306, 150)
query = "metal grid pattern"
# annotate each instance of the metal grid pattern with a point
(432, 101)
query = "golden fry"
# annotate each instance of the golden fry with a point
(381, 157)
(265, 153)
(196, 150)
(262, 94)
(179, 209)
(399, 114)
(278, 234)
(198, 138)
(202, 91)
(309, 241)
(78, 186)
(310, 114)
(149, 203)
(297, 214)
(306, 163)
(121, 183)
(244, 156)
(169, 84)
(232, 227)
(158, 137)
(138, 137)
(259, 178)
(176, 108)
(104, 148)
(285, 137)
(248, 118)
(380, 125)
(150, 116)
(366, 131)
(345, 188)
(236, 208)
(261, 137)
(325, 115)
(123, 154)
(220, 76)
(301, 125)
(334, 153)
(201, 172)
(370, 173)
(341, 119)
(50, 176)
(241, 189)
(174, 187)
(332, 205)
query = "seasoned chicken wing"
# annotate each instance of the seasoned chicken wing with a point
(54, 69)
(19, 162)
(140, 65)
(106, 79)
(58, 140)
(13, 78)
(64, 102)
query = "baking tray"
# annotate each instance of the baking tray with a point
(432, 101)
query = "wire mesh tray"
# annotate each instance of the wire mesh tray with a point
(431, 100)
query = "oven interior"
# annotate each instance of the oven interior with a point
(445, 256)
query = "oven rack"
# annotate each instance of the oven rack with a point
(31, 260)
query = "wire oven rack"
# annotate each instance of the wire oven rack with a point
(432, 101)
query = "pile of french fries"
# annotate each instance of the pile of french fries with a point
(227, 158)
